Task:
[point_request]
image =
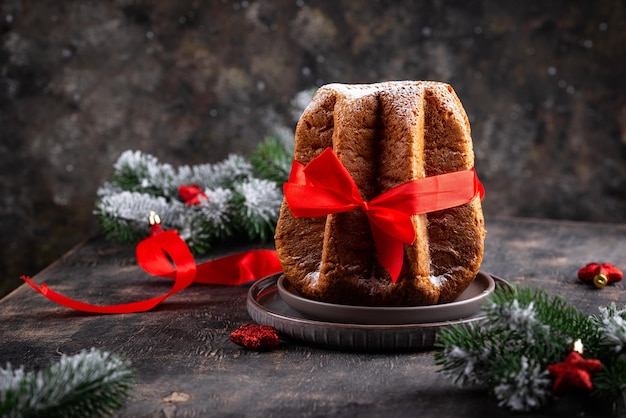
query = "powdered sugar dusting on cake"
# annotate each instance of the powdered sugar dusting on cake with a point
(312, 276)
(438, 281)
(355, 90)
(306, 262)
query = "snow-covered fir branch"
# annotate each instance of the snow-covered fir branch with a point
(517, 324)
(238, 199)
(261, 200)
(524, 388)
(138, 171)
(223, 174)
(466, 365)
(612, 324)
(134, 207)
(524, 331)
(92, 383)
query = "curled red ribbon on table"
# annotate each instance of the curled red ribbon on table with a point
(165, 254)
(324, 186)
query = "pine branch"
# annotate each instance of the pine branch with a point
(258, 202)
(236, 202)
(123, 230)
(123, 215)
(89, 384)
(271, 161)
(610, 385)
(611, 350)
(139, 172)
(523, 332)
(612, 324)
(232, 170)
(203, 225)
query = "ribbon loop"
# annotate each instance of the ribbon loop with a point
(324, 186)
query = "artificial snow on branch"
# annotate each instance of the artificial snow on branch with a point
(524, 332)
(91, 383)
(236, 197)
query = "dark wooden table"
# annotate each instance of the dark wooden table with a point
(183, 345)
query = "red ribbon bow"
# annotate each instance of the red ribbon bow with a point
(324, 186)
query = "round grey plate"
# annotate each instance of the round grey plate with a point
(266, 307)
(466, 305)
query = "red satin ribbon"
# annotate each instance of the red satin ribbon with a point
(152, 255)
(324, 186)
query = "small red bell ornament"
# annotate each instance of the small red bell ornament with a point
(600, 274)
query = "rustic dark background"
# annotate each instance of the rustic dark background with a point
(191, 81)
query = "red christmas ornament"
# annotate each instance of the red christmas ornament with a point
(600, 274)
(255, 337)
(573, 373)
(191, 194)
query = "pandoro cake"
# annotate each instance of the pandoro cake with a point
(385, 134)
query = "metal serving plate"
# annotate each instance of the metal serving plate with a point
(266, 307)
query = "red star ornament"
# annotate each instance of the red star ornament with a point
(573, 373)
(255, 337)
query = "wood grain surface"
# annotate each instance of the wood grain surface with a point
(187, 367)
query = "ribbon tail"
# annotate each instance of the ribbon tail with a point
(59, 299)
(151, 254)
(238, 269)
(390, 252)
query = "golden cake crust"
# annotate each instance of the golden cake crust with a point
(385, 134)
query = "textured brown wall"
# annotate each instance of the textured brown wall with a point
(191, 81)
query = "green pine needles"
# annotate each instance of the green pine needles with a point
(243, 197)
(271, 161)
(91, 383)
(523, 332)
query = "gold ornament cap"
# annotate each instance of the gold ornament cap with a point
(600, 280)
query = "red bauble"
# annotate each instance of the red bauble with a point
(191, 194)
